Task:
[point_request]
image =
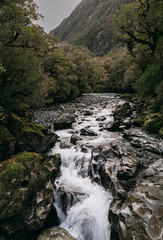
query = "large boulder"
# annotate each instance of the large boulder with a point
(138, 215)
(112, 126)
(64, 121)
(7, 143)
(55, 233)
(29, 136)
(122, 111)
(26, 190)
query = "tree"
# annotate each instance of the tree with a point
(140, 22)
(22, 45)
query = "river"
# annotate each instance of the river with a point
(85, 215)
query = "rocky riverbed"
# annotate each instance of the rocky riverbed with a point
(122, 158)
(111, 182)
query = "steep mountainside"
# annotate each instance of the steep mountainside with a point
(90, 25)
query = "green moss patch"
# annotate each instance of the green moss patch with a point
(161, 132)
(17, 125)
(138, 122)
(5, 135)
(154, 122)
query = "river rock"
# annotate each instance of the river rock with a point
(112, 126)
(87, 132)
(87, 112)
(102, 118)
(139, 139)
(64, 121)
(122, 111)
(55, 233)
(29, 136)
(26, 190)
(128, 167)
(74, 138)
(139, 215)
(68, 197)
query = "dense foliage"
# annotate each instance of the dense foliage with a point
(139, 66)
(35, 67)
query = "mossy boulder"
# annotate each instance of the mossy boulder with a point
(161, 132)
(55, 233)
(154, 122)
(138, 122)
(26, 191)
(30, 137)
(7, 143)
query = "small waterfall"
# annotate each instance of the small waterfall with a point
(84, 212)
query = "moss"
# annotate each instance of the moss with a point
(138, 122)
(18, 125)
(127, 96)
(40, 127)
(132, 199)
(13, 171)
(29, 128)
(5, 135)
(154, 122)
(161, 132)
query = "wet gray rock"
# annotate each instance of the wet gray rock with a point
(26, 190)
(74, 139)
(88, 112)
(87, 132)
(128, 167)
(102, 118)
(139, 215)
(85, 148)
(122, 111)
(64, 121)
(112, 126)
(55, 233)
(68, 197)
(140, 139)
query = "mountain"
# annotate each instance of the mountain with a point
(90, 24)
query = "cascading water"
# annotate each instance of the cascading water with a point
(83, 212)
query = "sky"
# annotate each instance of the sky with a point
(54, 11)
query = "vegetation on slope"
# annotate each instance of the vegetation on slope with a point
(139, 67)
(34, 67)
(90, 24)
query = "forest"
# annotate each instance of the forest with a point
(37, 69)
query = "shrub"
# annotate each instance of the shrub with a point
(146, 85)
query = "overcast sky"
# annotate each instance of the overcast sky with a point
(54, 11)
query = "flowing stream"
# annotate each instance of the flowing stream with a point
(82, 205)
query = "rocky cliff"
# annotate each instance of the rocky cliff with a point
(90, 24)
